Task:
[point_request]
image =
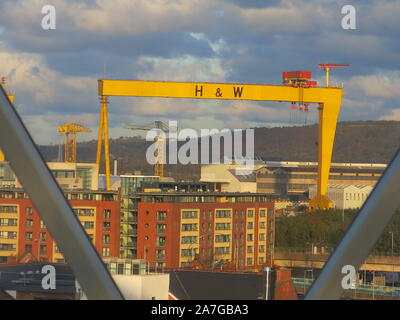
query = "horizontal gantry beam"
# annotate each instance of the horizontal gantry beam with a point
(224, 91)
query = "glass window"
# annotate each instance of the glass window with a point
(161, 241)
(189, 239)
(223, 213)
(161, 215)
(29, 223)
(106, 253)
(189, 214)
(28, 236)
(106, 226)
(107, 213)
(106, 238)
(29, 211)
(161, 228)
(43, 249)
(43, 236)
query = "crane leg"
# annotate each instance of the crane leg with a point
(104, 102)
(100, 136)
(328, 116)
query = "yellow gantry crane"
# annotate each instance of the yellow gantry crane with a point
(11, 98)
(70, 130)
(328, 99)
(159, 144)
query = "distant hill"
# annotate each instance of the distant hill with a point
(356, 141)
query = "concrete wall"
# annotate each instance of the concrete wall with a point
(220, 173)
(143, 287)
(154, 286)
(345, 196)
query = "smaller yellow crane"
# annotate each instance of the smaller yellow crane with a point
(70, 130)
(11, 97)
(159, 140)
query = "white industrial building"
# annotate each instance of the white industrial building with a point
(345, 196)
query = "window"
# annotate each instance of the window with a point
(8, 222)
(29, 211)
(223, 226)
(88, 224)
(106, 252)
(106, 238)
(28, 236)
(249, 237)
(261, 236)
(106, 226)
(43, 236)
(249, 249)
(8, 234)
(222, 250)
(107, 214)
(29, 223)
(250, 213)
(222, 238)
(8, 209)
(189, 227)
(249, 225)
(262, 225)
(249, 261)
(261, 260)
(160, 242)
(43, 249)
(84, 212)
(160, 254)
(161, 228)
(223, 213)
(161, 215)
(28, 248)
(188, 252)
(189, 214)
(189, 239)
(262, 212)
(42, 225)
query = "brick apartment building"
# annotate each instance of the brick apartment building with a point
(174, 229)
(22, 230)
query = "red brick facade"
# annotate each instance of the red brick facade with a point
(206, 232)
(33, 236)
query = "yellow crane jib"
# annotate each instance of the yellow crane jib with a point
(70, 130)
(159, 152)
(328, 100)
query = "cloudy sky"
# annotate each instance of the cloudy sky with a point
(53, 73)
